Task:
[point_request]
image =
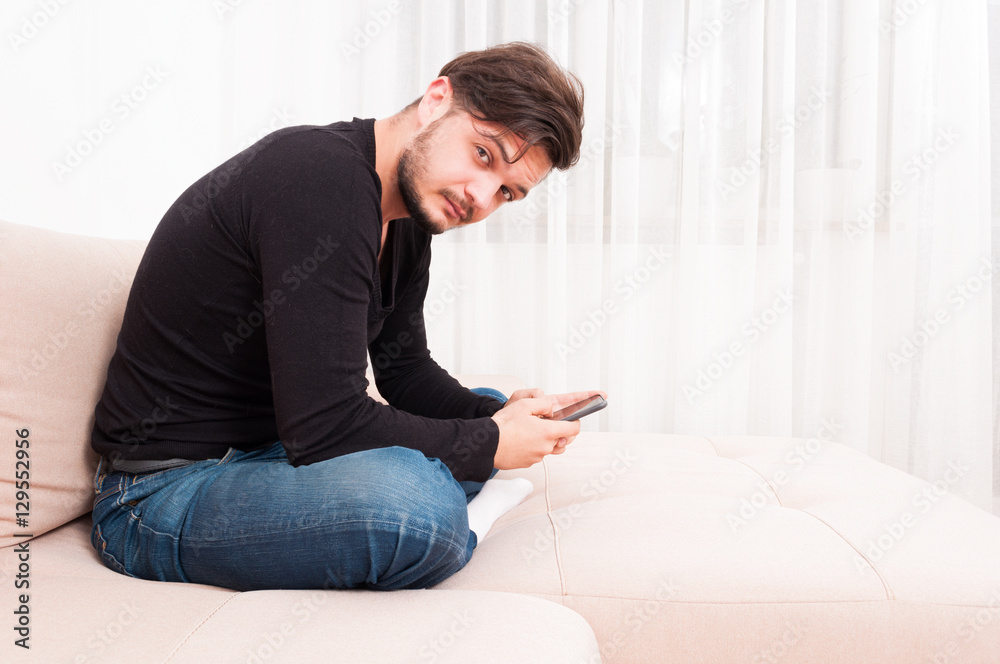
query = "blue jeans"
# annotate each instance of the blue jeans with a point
(382, 519)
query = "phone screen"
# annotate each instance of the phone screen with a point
(580, 408)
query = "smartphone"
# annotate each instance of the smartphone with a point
(580, 408)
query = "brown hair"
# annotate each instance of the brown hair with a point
(519, 87)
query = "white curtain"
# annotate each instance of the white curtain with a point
(780, 223)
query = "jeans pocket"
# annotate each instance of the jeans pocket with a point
(139, 478)
(105, 494)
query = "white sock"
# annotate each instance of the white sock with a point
(497, 497)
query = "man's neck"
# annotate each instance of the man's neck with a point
(391, 136)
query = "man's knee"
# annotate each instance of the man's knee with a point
(393, 485)
(433, 522)
(429, 493)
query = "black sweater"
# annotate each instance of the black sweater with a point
(253, 307)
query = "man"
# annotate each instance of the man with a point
(239, 445)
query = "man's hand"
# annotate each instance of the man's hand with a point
(528, 393)
(559, 400)
(525, 435)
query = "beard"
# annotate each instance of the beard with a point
(411, 170)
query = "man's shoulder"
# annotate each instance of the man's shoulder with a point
(312, 157)
(352, 142)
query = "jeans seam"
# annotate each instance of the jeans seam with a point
(145, 527)
(99, 476)
(105, 556)
(117, 491)
(390, 525)
(139, 478)
(104, 495)
(227, 457)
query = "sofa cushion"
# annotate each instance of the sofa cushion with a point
(63, 297)
(84, 613)
(747, 548)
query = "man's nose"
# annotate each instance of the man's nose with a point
(482, 190)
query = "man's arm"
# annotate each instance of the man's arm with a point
(406, 374)
(317, 338)
(411, 380)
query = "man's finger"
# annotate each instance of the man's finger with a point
(526, 393)
(564, 430)
(541, 406)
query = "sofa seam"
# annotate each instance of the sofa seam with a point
(180, 645)
(759, 474)
(563, 600)
(714, 448)
(556, 548)
(885, 584)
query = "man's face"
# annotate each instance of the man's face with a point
(450, 174)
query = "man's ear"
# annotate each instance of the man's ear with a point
(435, 102)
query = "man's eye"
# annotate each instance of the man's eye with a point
(483, 154)
(508, 195)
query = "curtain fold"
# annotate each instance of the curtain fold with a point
(781, 226)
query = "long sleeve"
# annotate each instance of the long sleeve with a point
(317, 340)
(406, 374)
(410, 380)
(252, 312)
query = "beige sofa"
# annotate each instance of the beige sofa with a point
(632, 548)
